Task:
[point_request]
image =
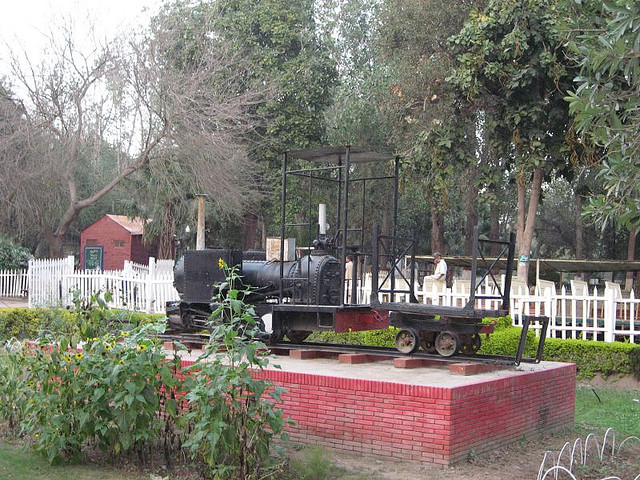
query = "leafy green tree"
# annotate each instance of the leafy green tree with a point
(605, 42)
(12, 256)
(511, 55)
(433, 129)
(279, 43)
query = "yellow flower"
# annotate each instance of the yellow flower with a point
(124, 334)
(121, 362)
(221, 263)
(78, 355)
(67, 358)
(142, 347)
(107, 347)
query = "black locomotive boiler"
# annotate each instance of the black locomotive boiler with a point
(312, 280)
(311, 292)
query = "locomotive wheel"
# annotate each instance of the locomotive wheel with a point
(275, 337)
(407, 340)
(428, 341)
(471, 344)
(447, 343)
(297, 336)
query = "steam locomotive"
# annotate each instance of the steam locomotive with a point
(312, 280)
(295, 296)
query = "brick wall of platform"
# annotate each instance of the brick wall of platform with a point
(438, 425)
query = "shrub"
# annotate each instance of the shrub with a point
(504, 341)
(634, 357)
(592, 357)
(109, 393)
(32, 323)
(12, 388)
(12, 256)
(231, 416)
(378, 338)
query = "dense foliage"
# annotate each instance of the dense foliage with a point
(605, 42)
(469, 93)
(118, 391)
(12, 256)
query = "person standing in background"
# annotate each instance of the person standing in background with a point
(348, 276)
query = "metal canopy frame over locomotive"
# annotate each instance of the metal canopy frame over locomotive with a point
(310, 293)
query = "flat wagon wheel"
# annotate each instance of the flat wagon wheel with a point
(447, 343)
(407, 340)
(471, 344)
(428, 341)
(297, 336)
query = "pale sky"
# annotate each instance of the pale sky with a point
(25, 24)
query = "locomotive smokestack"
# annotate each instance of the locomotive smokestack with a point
(322, 218)
(200, 231)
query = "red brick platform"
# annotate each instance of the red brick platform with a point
(424, 414)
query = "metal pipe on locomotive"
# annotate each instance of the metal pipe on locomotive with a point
(307, 293)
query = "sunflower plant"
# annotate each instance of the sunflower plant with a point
(232, 412)
(116, 392)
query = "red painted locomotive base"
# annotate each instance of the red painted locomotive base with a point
(425, 415)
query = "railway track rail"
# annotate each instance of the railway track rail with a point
(195, 341)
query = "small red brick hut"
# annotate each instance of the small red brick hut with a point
(110, 240)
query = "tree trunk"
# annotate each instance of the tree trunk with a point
(56, 246)
(579, 232)
(166, 248)
(526, 220)
(631, 255)
(494, 226)
(471, 211)
(263, 228)
(437, 231)
(250, 240)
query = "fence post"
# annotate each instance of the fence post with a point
(67, 272)
(149, 282)
(610, 306)
(30, 284)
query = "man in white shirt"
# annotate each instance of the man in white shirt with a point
(440, 273)
(348, 276)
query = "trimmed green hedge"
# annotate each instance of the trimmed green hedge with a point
(594, 357)
(32, 323)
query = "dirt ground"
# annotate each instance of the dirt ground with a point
(518, 462)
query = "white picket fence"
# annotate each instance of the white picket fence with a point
(598, 315)
(144, 288)
(14, 283)
(603, 315)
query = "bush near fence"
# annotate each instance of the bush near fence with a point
(33, 323)
(591, 357)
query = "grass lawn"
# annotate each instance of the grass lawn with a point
(16, 463)
(608, 407)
